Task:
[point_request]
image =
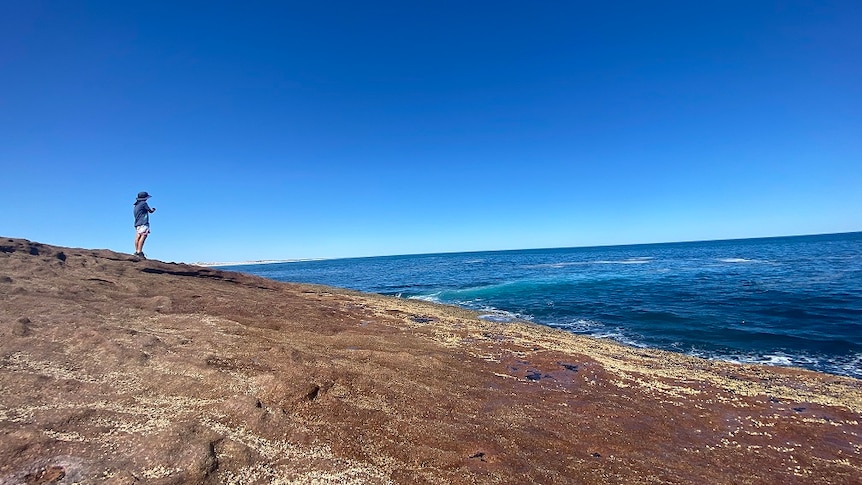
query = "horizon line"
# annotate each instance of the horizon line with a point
(300, 260)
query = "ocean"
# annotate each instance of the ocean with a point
(788, 301)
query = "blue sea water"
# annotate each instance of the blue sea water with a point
(794, 301)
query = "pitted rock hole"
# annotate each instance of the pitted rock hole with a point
(479, 455)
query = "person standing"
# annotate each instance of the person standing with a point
(142, 222)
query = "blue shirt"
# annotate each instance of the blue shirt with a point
(142, 213)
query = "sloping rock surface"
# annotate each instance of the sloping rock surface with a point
(118, 370)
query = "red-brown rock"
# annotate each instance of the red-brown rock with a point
(119, 370)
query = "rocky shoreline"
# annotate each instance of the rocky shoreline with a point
(119, 370)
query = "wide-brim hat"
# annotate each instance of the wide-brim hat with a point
(143, 196)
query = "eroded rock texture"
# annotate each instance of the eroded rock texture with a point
(117, 370)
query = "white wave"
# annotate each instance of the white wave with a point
(580, 325)
(620, 338)
(615, 335)
(781, 360)
(494, 314)
(555, 265)
(498, 317)
(848, 366)
(609, 335)
(738, 260)
(502, 316)
(852, 367)
(594, 329)
(433, 297)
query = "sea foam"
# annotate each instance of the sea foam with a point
(685, 297)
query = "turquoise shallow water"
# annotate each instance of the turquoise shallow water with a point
(793, 301)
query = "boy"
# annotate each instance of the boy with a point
(142, 222)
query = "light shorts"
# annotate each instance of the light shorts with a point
(143, 229)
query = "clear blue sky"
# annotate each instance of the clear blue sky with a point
(274, 130)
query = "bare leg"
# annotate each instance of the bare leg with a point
(139, 242)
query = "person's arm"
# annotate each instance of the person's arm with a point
(152, 209)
